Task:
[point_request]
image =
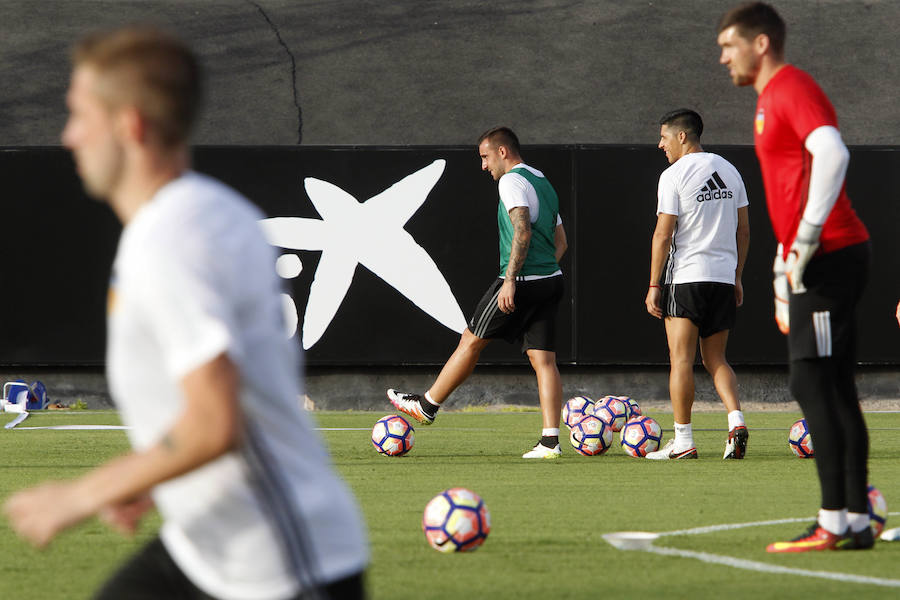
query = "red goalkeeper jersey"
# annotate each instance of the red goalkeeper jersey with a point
(790, 108)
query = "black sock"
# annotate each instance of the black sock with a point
(427, 407)
(550, 441)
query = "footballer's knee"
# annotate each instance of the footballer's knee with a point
(541, 359)
(713, 364)
(471, 341)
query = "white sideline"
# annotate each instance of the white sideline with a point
(79, 427)
(343, 428)
(22, 416)
(751, 565)
(727, 526)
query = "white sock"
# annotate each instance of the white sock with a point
(858, 521)
(834, 521)
(735, 419)
(550, 431)
(430, 401)
(684, 436)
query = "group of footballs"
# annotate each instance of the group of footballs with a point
(457, 519)
(592, 424)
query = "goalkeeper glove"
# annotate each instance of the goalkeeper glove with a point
(805, 245)
(782, 293)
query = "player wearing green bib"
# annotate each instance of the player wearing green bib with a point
(541, 257)
(521, 304)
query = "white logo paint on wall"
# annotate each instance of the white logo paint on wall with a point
(371, 234)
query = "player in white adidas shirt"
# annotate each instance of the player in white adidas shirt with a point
(703, 228)
(197, 362)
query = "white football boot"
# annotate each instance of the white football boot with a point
(667, 452)
(542, 451)
(410, 404)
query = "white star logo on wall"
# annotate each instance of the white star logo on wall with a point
(368, 233)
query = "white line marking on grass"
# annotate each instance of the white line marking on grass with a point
(367, 428)
(727, 526)
(342, 429)
(78, 427)
(752, 565)
(82, 427)
(14, 425)
(16, 421)
(644, 542)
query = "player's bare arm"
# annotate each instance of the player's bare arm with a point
(208, 428)
(743, 245)
(560, 242)
(659, 248)
(521, 222)
(125, 517)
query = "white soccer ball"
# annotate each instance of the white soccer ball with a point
(878, 510)
(456, 520)
(632, 408)
(640, 436)
(612, 411)
(392, 435)
(591, 436)
(800, 440)
(576, 409)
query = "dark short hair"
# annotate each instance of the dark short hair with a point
(501, 136)
(754, 18)
(148, 69)
(684, 119)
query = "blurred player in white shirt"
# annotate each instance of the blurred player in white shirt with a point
(196, 360)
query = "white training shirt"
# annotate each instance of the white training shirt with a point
(704, 191)
(517, 191)
(194, 277)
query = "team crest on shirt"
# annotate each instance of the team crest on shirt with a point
(760, 121)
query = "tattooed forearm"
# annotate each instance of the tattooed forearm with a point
(521, 223)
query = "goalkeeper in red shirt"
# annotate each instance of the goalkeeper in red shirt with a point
(821, 265)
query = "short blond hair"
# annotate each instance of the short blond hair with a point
(151, 70)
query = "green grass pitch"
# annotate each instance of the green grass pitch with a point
(547, 516)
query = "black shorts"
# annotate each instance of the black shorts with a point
(710, 306)
(533, 323)
(151, 574)
(823, 318)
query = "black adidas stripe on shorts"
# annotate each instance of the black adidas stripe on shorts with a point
(823, 318)
(710, 306)
(533, 323)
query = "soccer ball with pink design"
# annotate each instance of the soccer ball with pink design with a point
(575, 409)
(456, 520)
(392, 435)
(641, 435)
